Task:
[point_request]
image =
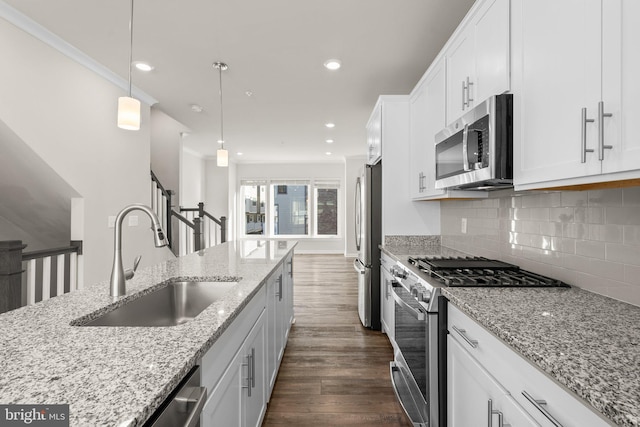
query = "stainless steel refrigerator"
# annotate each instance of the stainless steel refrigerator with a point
(368, 235)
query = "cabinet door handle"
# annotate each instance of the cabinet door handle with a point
(280, 288)
(493, 412)
(583, 137)
(463, 334)
(540, 406)
(249, 374)
(469, 98)
(253, 367)
(464, 98)
(601, 145)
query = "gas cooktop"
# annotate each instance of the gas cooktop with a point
(478, 271)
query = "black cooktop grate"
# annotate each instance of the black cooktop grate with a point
(478, 271)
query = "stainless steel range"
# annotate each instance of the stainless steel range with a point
(421, 324)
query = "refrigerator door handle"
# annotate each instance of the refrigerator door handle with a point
(358, 266)
(358, 213)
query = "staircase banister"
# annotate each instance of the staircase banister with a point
(155, 179)
(183, 219)
(74, 247)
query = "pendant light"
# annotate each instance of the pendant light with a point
(222, 155)
(129, 107)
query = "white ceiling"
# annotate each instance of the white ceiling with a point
(276, 50)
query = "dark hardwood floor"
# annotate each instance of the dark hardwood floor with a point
(334, 371)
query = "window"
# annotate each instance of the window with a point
(254, 195)
(290, 208)
(326, 200)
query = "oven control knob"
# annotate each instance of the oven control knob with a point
(398, 273)
(425, 297)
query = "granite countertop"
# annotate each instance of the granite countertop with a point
(118, 376)
(587, 342)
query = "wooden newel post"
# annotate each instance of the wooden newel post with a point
(197, 234)
(223, 229)
(10, 274)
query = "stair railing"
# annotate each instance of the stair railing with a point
(210, 234)
(197, 228)
(161, 206)
(30, 277)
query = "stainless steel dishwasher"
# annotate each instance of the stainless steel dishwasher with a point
(183, 406)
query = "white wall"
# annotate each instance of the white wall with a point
(165, 150)
(300, 171)
(216, 195)
(67, 115)
(192, 179)
(352, 168)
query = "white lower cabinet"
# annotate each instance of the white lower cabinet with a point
(387, 304)
(240, 369)
(238, 399)
(278, 320)
(474, 397)
(481, 368)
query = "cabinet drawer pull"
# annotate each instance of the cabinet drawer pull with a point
(583, 137)
(601, 145)
(540, 406)
(463, 334)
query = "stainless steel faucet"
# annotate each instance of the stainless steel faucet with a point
(118, 275)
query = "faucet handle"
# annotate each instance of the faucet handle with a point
(129, 273)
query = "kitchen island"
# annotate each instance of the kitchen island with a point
(119, 376)
(587, 343)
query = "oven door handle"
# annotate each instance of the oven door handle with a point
(416, 314)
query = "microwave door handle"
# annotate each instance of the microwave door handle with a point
(465, 148)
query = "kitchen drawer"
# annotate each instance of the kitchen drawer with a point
(217, 358)
(518, 376)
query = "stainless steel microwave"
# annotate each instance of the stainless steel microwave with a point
(476, 151)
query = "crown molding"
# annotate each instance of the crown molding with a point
(36, 30)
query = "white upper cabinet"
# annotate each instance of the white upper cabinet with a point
(427, 110)
(477, 58)
(572, 63)
(621, 84)
(374, 135)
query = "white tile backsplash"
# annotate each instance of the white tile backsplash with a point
(589, 239)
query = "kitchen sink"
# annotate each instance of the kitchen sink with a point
(171, 305)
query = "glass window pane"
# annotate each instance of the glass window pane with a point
(290, 210)
(254, 211)
(327, 211)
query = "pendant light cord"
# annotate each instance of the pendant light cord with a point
(130, 46)
(221, 111)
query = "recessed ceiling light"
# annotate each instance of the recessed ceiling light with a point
(329, 141)
(220, 141)
(332, 64)
(239, 153)
(330, 125)
(196, 108)
(249, 93)
(143, 66)
(328, 153)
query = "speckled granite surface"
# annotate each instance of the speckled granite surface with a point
(412, 240)
(117, 376)
(588, 342)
